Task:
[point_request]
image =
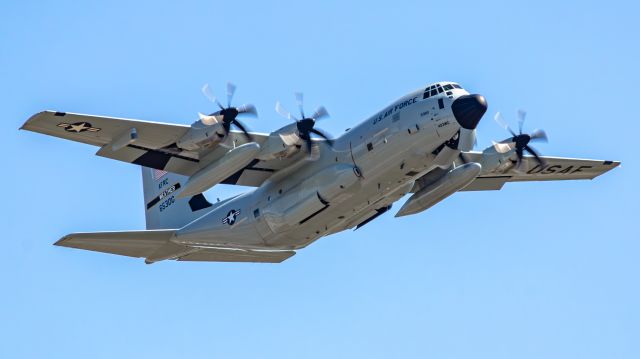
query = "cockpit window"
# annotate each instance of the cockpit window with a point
(439, 88)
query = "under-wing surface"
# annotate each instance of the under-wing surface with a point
(306, 185)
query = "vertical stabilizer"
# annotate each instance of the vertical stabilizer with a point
(163, 208)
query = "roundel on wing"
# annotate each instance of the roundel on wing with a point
(78, 127)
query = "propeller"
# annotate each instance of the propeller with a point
(227, 115)
(461, 155)
(306, 125)
(520, 141)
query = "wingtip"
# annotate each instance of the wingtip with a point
(60, 242)
(25, 125)
(612, 163)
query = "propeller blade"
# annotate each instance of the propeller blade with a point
(231, 89)
(226, 126)
(239, 125)
(323, 135)
(463, 158)
(299, 101)
(500, 120)
(308, 144)
(207, 120)
(522, 114)
(206, 90)
(284, 113)
(320, 113)
(314, 155)
(536, 155)
(520, 154)
(539, 135)
(248, 109)
(503, 147)
(227, 142)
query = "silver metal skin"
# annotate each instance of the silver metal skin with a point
(305, 188)
(369, 167)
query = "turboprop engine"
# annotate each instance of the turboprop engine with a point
(291, 138)
(280, 144)
(201, 135)
(212, 129)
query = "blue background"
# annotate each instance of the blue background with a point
(537, 270)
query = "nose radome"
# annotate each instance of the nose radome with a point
(468, 110)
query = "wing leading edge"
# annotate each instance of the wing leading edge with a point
(154, 146)
(554, 169)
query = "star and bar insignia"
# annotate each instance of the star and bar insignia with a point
(231, 217)
(78, 127)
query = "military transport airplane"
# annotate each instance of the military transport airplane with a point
(306, 185)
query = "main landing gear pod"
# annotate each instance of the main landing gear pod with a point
(455, 180)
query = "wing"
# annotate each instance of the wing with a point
(100, 131)
(155, 245)
(555, 169)
(154, 146)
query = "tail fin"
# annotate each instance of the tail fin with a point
(163, 209)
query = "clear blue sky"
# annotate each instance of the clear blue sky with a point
(539, 270)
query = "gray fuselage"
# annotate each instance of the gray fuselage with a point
(367, 169)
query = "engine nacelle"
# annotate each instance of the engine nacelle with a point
(201, 136)
(233, 161)
(282, 143)
(278, 146)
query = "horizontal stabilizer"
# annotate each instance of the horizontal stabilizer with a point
(139, 244)
(155, 245)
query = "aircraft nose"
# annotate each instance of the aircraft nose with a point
(468, 110)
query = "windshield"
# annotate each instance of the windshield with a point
(439, 88)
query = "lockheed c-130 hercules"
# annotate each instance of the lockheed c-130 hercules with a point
(307, 185)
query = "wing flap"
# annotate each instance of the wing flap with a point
(486, 184)
(237, 255)
(147, 157)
